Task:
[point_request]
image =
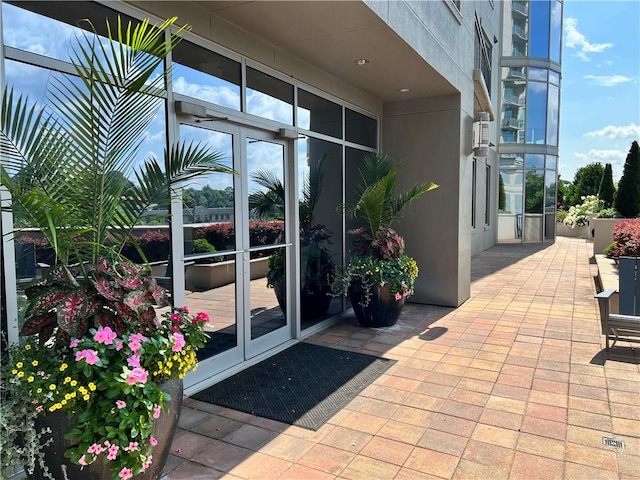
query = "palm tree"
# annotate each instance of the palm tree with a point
(67, 164)
(378, 205)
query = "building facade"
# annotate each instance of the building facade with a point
(464, 93)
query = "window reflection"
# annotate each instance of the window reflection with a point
(539, 32)
(269, 97)
(201, 73)
(319, 115)
(556, 30)
(361, 129)
(536, 112)
(534, 191)
(552, 115)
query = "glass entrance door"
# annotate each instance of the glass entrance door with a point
(236, 246)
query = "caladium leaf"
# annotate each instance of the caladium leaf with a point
(148, 318)
(35, 324)
(72, 314)
(107, 288)
(44, 301)
(138, 300)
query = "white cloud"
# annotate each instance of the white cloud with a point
(624, 132)
(615, 157)
(608, 80)
(574, 39)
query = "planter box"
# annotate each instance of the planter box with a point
(602, 231)
(563, 230)
(206, 276)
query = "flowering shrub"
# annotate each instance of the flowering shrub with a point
(155, 245)
(579, 215)
(626, 236)
(110, 382)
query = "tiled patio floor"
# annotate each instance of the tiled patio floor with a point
(511, 385)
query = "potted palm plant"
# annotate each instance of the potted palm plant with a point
(379, 277)
(96, 371)
(316, 264)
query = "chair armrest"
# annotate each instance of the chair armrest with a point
(603, 303)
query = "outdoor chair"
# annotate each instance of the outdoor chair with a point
(627, 321)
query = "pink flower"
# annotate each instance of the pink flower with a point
(74, 343)
(176, 318)
(83, 460)
(133, 361)
(398, 296)
(105, 335)
(178, 342)
(39, 408)
(119, 345)
(153, 441)
(125, 473)
(135, 341)
(120, 404)
(185, 309)
(89, 356)
(157, 409)
(137, 375)
(175, 328)
(95, 448)
(147, 463)
(113, 452)
(202, 317)
(133, 446)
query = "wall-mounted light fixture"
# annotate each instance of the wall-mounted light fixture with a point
(481, 142)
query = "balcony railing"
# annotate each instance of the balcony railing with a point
(512, 124)
(520, 8)
(516, 72)
(520, 32)
(513, 100)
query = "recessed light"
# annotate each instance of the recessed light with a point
(404, 90)
(361, 61)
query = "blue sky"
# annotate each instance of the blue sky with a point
(600, 105)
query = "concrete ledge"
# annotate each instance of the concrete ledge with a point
(608, 278)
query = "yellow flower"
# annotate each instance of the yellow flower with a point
(19, 365)
(67, 379)
(86, 398)
(14, 372)
(92, 386)
(20, 374)
(63, 367)
(34, 363)
(83, 390)
(39, 390)
(52, 386)
(63, 402)
(30, 379)
(74, 383)
(27, 347)
(68, 396)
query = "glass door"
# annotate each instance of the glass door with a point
(236, 248)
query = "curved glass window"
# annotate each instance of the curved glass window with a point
(552, 115)
(539, 31)
(534, 191)
(556, 31)
(536, 112)
(534, 161)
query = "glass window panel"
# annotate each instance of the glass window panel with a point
(203, 74)
(537, 74)
(267, 309)
(534, 161)
(361, 129)
(552, 115)
(320, 170)
(267, 198)
(536, 112)
(550, 183)
(208, 203)
(552, 162)
(511, 190)
(269, 97)
(513, 107)
(319, 114)
(534, 191)
(539, 31)
(353, 159)
(211, 288)
(556, 31)
(554, 77)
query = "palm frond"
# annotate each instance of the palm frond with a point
(270, 202)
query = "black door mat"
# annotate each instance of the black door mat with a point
(304, 385)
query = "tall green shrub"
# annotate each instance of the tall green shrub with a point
(607, 189)
(628, 199)
(585, 182)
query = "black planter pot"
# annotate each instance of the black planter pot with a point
(312, 304)
(60, 467)
(381, 309)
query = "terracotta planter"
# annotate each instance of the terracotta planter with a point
(62, 468)
(380, 310)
